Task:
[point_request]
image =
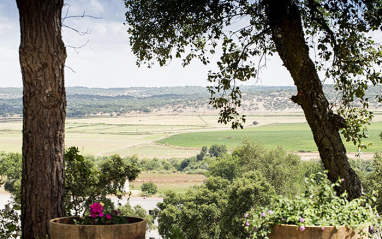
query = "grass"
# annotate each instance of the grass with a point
(177, 182)
(292, 136)
(106, 144)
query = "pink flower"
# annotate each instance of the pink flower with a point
(302, 228)
(95, 209)
(322, 228)
(270, 212)
(246, 215)
(108, 216)
(301, 219)
(263, 214)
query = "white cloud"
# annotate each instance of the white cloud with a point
(100, 28)
(96, 7)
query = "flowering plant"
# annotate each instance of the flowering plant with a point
(100, 217)
(319, 205)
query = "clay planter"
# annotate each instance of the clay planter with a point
(314, 232)
(64, 228)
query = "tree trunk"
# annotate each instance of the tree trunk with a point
(42, 58)
(288, 36)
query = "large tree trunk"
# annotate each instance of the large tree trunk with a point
(42, 59)
(288, 36)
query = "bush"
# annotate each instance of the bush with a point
(10, 223)
(203, 152)
(138, 211)
(373, 181)
(86, 183)
(217, 150)
(149, 188)
(319, 205)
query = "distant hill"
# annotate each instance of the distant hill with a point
(82, 101)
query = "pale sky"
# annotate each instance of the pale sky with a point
(106, 61)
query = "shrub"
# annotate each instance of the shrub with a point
(85, 182)
(10, 223)
(138, 211)
(203, 152)
(149, 188)
(373, 181)
(217, 150)
(319, 205)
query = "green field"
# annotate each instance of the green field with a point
(293, 137)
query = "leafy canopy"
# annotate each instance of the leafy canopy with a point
(338, 32)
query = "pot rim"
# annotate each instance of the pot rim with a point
(56, 221)
(326, 226)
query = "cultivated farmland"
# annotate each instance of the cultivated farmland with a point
(180, 135)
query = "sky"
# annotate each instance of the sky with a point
(105, 60)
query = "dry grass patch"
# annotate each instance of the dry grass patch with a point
(178, 182)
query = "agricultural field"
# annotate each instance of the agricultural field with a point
(177, 182)
(293, 137)
(180, 135)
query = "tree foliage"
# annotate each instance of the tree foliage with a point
(216, 209)
(10, 167)
(337, 31)
(138, 211)
(247, 32)
(195, 214)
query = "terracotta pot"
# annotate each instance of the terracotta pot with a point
(64, 228)
(315, 232)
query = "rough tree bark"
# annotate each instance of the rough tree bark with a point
(285, 22)
(42, 58)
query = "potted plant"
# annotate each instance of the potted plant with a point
(100, 224)
(318, 213)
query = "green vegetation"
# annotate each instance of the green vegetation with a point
(250, 175)
(293, 137)
(318, 205)
(10, 167)
(9, 223)
(217, 150)
(150, 188)
(138, 211)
